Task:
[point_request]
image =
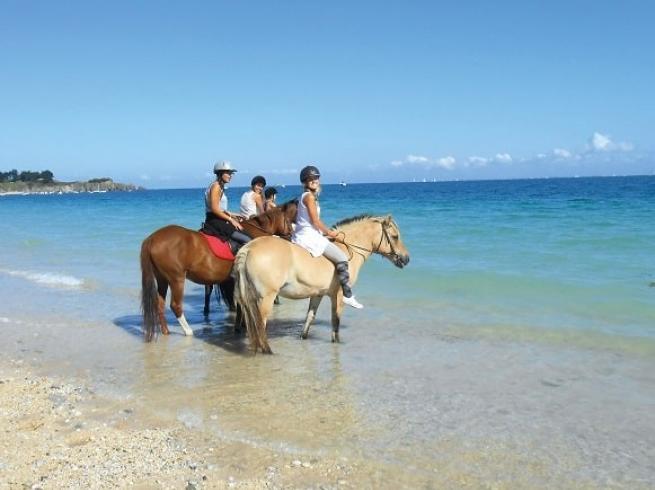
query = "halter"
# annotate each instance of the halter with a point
(393, 255)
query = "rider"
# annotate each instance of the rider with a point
(269, 198)
(310, 232)
(252, 202)
(218, 220)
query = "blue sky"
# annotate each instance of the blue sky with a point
(153, 93)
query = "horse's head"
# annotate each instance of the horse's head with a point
(285, 218)
(277, 221)
(390, 244)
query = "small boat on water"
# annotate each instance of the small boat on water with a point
(342, 184)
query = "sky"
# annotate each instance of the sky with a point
(154, 93)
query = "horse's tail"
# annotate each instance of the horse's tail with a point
(248, 298)
(149, 296)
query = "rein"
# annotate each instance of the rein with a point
(385, 234)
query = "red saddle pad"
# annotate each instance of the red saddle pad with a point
(220, 248)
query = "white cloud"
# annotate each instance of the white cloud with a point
(479, 161)
(603, 142)
(413, 160)
(562, 153)
(503, 157)
(447, 162)
(282, 171)
(417, 159)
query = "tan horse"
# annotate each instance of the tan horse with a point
(271, 266)
(173, 254)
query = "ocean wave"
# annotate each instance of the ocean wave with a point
(48, 278)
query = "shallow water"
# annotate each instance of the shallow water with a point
(516, 348)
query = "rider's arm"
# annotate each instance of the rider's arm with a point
(310, 201)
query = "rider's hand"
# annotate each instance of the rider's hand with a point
(332, 234)
(235, 223)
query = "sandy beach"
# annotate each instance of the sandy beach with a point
(187, 422)
(57, 433)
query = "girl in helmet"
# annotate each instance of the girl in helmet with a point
(252, 201)
(310, 232)
(218, 220)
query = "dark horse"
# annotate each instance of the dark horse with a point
(173, 253)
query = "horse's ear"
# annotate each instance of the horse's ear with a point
(388, 219)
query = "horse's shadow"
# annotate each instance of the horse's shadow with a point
(218, 327)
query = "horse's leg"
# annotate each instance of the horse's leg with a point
(162, 290)
(337, 309)
(265, 307)
(177, 298)
(227, 293)
(208, 293)
(314, 301)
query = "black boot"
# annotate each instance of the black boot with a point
(344, 279)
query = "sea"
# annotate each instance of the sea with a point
(517, 347)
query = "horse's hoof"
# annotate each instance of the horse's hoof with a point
(303, 336)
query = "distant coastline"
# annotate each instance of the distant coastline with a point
(93, 185)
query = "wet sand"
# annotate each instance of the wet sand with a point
(398, 404)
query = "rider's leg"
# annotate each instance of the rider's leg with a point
(238, 239)
(340, 261)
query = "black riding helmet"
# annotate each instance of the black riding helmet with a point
(258, 179)
(309, 172)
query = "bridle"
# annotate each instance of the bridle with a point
(393, 255)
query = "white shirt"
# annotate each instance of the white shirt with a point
(208, 204)
(305, 233)
(248, 205)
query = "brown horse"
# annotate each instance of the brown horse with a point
(267, 267)
(173, 253)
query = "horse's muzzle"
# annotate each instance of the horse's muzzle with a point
(400, 260)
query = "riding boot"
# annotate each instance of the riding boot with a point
(344, 279)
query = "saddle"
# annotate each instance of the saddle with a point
(220, 248)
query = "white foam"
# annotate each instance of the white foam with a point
(48, 278)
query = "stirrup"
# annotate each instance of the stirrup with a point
(351, 301)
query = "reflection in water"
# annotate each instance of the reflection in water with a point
(299, 398)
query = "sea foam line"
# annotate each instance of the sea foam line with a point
(48, 278)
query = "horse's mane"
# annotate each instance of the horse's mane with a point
(277, 209)
(347, 221)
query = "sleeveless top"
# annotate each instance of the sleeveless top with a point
(305, 234)
(208, 205)
(248, 206)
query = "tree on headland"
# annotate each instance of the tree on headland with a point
(45, 176)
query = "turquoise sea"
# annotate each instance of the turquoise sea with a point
(525, 320)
